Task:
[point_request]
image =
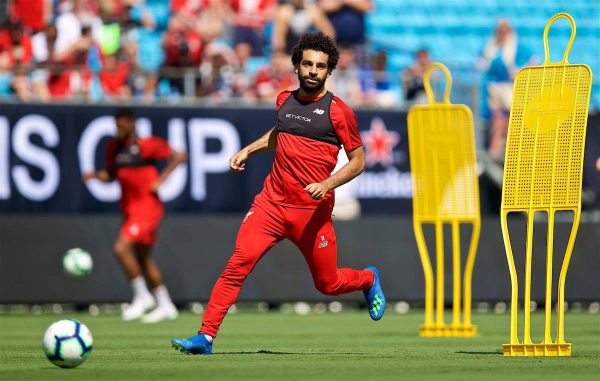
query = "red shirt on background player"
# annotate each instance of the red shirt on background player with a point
(297, 197)
(131, 161)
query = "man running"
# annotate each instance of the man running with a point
(298, 197)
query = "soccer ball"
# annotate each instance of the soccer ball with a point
(67, 343)
(77, 263)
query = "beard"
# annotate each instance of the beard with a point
(309, 87)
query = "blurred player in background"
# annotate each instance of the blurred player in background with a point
(297, 198)
(130, 159)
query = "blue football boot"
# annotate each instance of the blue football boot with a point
(375, 298)
(195, 345)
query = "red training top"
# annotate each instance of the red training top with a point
(310, 132)
(132, 163)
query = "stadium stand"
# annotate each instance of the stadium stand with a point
(454, 32)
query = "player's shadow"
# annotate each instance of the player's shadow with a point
(496, 353)
(260, 352)
(267, 352)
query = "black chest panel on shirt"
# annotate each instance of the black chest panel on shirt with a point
(129, 155)
(309, 119)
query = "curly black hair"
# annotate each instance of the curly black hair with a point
(124, 112)
(319, 42)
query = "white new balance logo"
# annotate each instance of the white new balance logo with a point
(323, 242)
(318, 111)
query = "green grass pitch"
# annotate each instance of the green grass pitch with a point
(277, 346)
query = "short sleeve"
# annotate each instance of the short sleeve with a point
(345, 124)
(155, 148)
(282, 97)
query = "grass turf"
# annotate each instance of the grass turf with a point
(276, 346)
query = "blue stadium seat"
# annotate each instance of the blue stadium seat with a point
(253, 64)
(456, 31)
(150, 53)
(159, 9)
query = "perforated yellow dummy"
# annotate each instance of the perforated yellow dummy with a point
(542, 174)
(445, 191)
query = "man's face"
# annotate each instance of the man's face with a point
(125, 127)
(503, 30)
(313, 71)
(423, 57)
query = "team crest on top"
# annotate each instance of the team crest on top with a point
(323, 242)
(379, 143)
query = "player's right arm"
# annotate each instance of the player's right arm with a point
(108, 174)
(102, 175)
(267, 142)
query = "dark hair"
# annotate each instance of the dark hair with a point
(124, 112)
(319, 42)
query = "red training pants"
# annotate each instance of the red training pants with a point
(311, 230)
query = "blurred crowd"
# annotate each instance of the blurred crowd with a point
(148, 50)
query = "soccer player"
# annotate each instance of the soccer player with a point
(297, 197)
(130, 159)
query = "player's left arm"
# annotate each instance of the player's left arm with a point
(158, 149)
(175, 158)
(345, 123)
(354, 167)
